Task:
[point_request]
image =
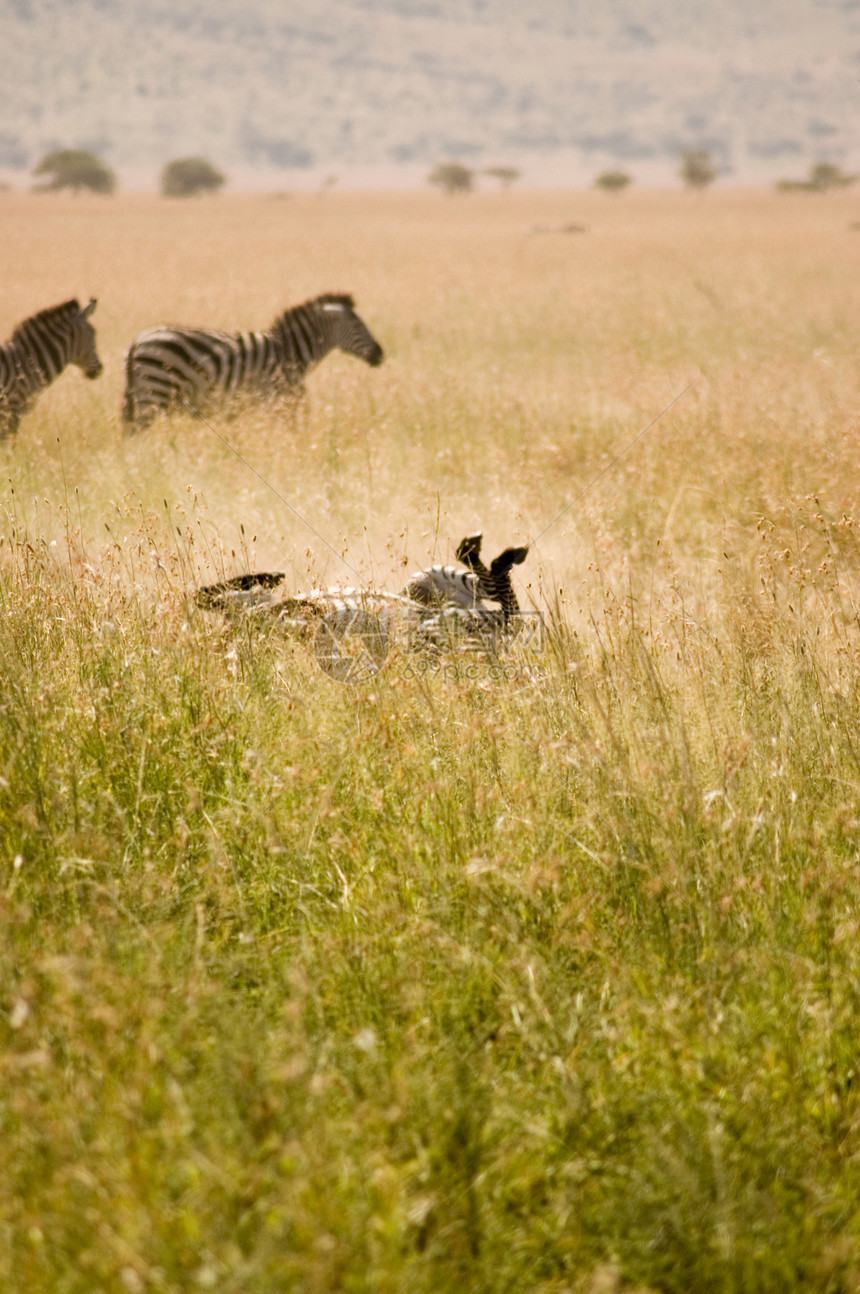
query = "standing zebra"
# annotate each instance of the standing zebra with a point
(38, 351)
(168, 366)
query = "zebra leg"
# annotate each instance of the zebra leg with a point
(130, 418)
(510, 557)
(150, 391)
(469, 551)
(8, 424)
(11, 412)
(137, 415)
(287, 400)
(15, 401)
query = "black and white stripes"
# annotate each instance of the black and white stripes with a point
(439, 606)
(494, 583)
(38, 351)
(168, 366)
(469, 589)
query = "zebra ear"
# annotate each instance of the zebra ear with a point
(87, 310)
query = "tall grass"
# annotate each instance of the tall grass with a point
(532, 974)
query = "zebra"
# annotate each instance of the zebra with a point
(38, 351)
(447, 586)
(439, 606)
(167, 366)
(493, 584)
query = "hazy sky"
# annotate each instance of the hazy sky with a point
(375, 83)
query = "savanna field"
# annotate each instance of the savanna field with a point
(537, 972)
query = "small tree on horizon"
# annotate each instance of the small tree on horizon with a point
(824, 177)
(452, 177)
(506, 175)
(188, 176)
(75, 169)
(697, 169)
(613, 181)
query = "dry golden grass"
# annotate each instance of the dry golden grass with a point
(521, 358)
(541, 978)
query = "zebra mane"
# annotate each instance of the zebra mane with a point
(67, 309)
(333, 299)
(315, 303)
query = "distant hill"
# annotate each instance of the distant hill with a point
(342, 84)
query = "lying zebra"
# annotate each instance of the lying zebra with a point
(439, 606)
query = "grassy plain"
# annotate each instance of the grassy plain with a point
(535, 978)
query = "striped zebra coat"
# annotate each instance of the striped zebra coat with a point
(351, 629)
(447, 586)
(38, 351)
(169, 366)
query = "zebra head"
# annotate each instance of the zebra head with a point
(494, 584)
(342, 328)
(240, 592)
(48, 341)
(83, 341)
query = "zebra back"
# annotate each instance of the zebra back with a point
(175, 365)
(440, 586)
(38, 351)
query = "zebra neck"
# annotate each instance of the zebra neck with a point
(39, 357)
(300, 340)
